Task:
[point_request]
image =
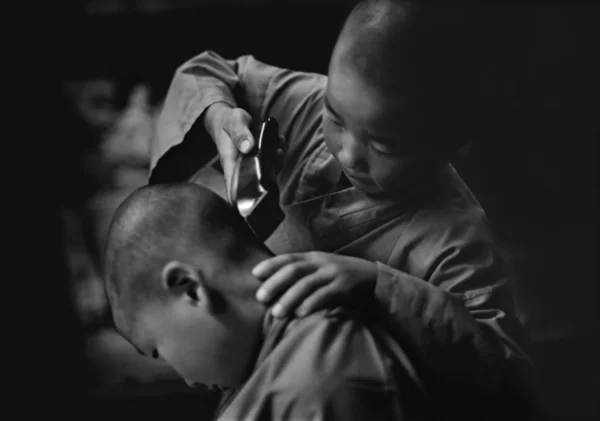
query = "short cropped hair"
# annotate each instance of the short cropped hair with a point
(160, 223)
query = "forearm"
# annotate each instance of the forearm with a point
(196, 85)
(459, 351)
(199, 91)
(433, 319)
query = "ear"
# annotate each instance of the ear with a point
(182, 279)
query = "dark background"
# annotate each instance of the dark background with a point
(533, 167)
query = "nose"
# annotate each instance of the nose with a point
(351, 153)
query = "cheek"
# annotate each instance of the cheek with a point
(331, 133)
(184, 346)
(207, 352)
(183, 352)
(389, 172)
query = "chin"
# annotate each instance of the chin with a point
(371, 190)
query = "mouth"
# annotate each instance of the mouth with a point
(360, 181)
(357, 178)
(365, 185)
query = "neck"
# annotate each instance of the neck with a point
(241, 311)
(241, 275)
(235, 283)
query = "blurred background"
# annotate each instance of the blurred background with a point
(532, 165)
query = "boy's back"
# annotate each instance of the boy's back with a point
(332, 365)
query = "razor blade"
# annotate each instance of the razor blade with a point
(254, 191)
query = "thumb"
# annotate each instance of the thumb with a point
(237, 127)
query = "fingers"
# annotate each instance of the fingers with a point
(268, 267)
(298, 292)
(234, 135)
(322, 298)
(228, 156)
(237, 126)
(283, 279)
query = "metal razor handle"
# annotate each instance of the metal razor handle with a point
(254, 191)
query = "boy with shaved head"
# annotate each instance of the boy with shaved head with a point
(180, 287)
(373, 208)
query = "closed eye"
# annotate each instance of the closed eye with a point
(154, 353)
(330, 112)
(330, 117)
(139, 351)
(382, 148)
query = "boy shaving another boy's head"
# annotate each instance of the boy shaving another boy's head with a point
(373, 208)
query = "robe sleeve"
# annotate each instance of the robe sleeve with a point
(181, 145)
(349, 403)
(457, 319)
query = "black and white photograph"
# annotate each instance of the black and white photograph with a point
(286, 210)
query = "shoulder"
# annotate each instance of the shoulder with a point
(332, 346)
(456, 217)
(326, 365)
(281, 80)
(456, 225)
(296, 98)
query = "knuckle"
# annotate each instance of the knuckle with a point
(241, 119)
(224, 118)
(302, 291)
(330, 268)
(239, 113)
(337, 285)
(236, 120)
(245, 117)
(292, 269)
(306, 284)
(313, 255)
(238, 136)
(287, 301)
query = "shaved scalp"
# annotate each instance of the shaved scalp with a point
(160, 223)
(435, 57)
(390, 42)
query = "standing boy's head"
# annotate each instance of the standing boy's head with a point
(396, 72)
(178, 278)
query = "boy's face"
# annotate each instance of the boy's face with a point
(204, 349)
(370, 132)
